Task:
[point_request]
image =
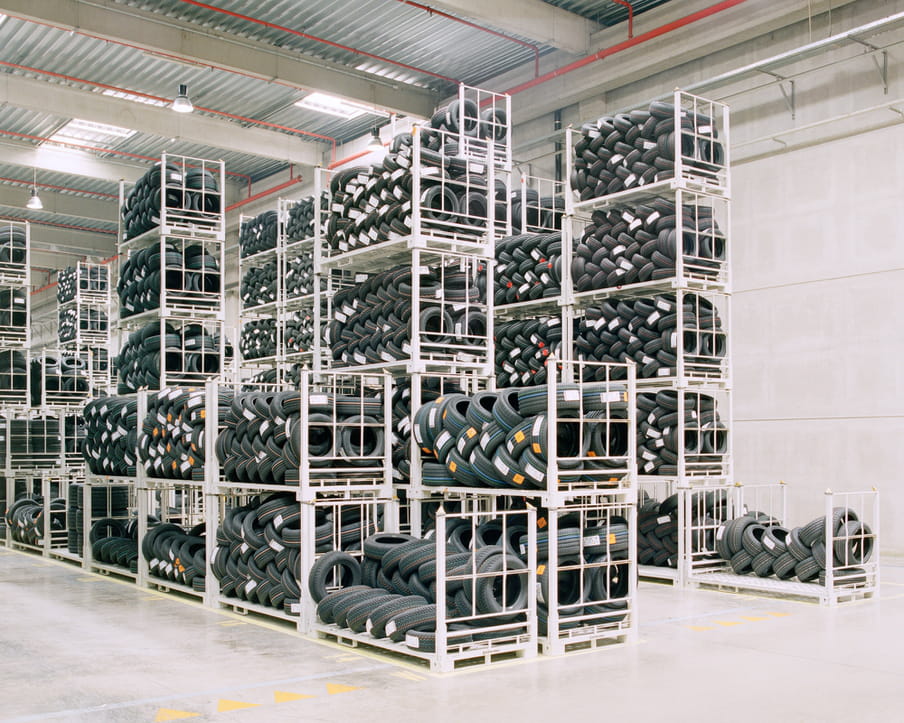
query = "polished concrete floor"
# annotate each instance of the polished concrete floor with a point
(76, 647)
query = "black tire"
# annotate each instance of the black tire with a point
(775, 540)
(741, 563)
(383, 613)
(807, 570)
(379, 544)
(796, 547)
(420, 618)
(326, 605)
(763, 564)
(783, 566)
(349, 570)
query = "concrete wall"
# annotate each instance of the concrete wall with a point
(818, 270)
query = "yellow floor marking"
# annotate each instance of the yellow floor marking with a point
(700, 628)
(280, 696)
(752, 618)
(232, 623)
(779, 615)
(224, 706)
(90, 579)
(408, 676)
(727, 623)
(169, 714)
(336, 688)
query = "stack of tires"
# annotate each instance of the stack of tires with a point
(90, 279)
(392, 592)
(646, 332)
(26, 524)
(111, 435)
(659, 446)
(658, 529)
(258, 548)
(13, 244)
(641, 243)
(757, 543)
(13, 371)
(191, 273)
(499, 439)
(65, 377)
(190, 352)
(192, 194)
(299, 332)
(628, 150)
(259, 285)
(372, 321)
(87, 320)
(176, 554)
(300, 224)
(522, 348)
(261, 442)
(107, 501)
(114, 541)
(13, 310)
(171, 441)
(431, 389)
(258, 234)
(258, 339)
(528, 267)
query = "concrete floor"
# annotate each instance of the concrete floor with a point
(77, 647)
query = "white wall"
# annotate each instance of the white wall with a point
(818, 271)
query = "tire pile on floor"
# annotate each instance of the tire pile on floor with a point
(522, 348)
(258, 234)
(528, 267)
(189, 351)
(391, 593)
(372, 321)
(171, 440)
(637, 244)
(499, 439)
(757, 543)
(192, 195)
(659, 444)
(71, 280)
(261, 442)
(71, 321)
(645, 331)
(258, 548)
(111, 436)
(658, 530)
(107, 501)
(628, 150)
(258, 339)
(191, 274)
(26, 524)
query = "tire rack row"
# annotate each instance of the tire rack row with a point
(711, 377)
(15, 338)
(426, 246)
(94, 346)
(184, 308)
(284, 305)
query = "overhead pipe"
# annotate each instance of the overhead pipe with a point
(532, 46)
(626, 44)
(630, 7)
(265, 193)
(324, 41)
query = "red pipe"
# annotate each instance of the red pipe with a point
(630, 16)
(308, 36)
(440, 13)
(26, 182)
(632, 42)
(263, 194)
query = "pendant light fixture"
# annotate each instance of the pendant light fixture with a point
(34, 202)
(182, 103)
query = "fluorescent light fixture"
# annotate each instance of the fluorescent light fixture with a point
(182, 104)
(134, 98)
(339, 107)
(2, 18)
(82, 131)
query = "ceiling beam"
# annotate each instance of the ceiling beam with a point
(77, 163)
(195, 128)
(156, 33)
(533, 19)
(75, 208)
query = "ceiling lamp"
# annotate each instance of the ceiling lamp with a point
(34, 202)
(182, 104)
(374, 144)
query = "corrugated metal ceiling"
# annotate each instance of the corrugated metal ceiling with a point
(605, 12)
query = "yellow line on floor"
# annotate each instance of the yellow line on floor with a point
(752, 618)
(728, 623)
(778, 615)
(700, 628)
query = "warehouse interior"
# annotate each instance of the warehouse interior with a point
(797, 109)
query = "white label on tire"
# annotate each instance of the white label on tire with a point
(767, 542)
(610, 397)
(618, 249)
(250, 586)
(369, 625)
(615, 323)
(391, 627)
(663, 305)
(662, 520)
(500, 465)
(154, 562)
(278, 520)
(484, 439)
(213, 557)
(244, 548)
(592, 540)
(571, 395)
(274, 545)
(653, 318)
(431, 416)
(720, 532)
(411, 641)
(441, 440)
(534, 473)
